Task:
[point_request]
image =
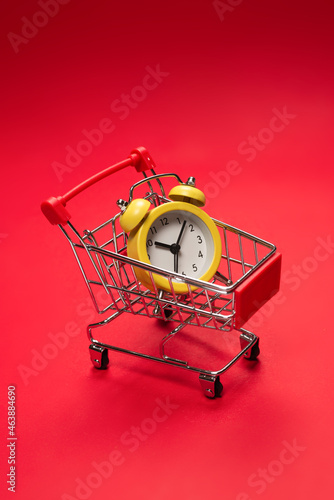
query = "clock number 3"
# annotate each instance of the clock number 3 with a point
(199, 239)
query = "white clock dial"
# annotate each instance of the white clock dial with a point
(181, 242)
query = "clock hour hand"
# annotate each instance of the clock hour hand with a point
(163, 245)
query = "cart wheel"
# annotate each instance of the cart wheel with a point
(254, 352)
(211, 386)
(99, 356)
(218, 388)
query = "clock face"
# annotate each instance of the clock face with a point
(181, 242)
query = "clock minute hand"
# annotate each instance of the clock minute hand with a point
(176, 262)
(177, 248)
(181, 232)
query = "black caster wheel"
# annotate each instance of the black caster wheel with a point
(218, 388)
(104, 360)
(254, 352)
(99, 357)
(211, 386)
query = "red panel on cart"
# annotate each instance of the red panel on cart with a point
(251, 295)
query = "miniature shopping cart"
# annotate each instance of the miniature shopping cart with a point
(247, 277)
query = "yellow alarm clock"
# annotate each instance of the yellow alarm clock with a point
(177, 236)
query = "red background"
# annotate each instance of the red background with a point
(223, 78)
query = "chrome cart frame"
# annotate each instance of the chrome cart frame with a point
(247, 277)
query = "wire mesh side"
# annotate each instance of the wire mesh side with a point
(242, 253)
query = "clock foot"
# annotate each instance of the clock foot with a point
(168, 311)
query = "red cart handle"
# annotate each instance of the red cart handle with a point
(54, 208)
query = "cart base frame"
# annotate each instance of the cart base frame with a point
(209, 380)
